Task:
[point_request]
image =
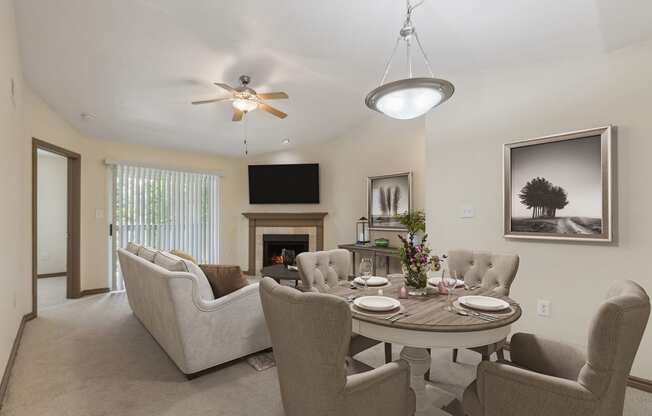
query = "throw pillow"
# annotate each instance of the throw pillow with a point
(224, 279)
(170, 262)
(133, 248)
(183, 255)
(147, 253)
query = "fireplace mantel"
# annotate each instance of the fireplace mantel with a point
(319, 216)
(283, 220)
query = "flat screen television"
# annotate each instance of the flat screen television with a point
(284, 184)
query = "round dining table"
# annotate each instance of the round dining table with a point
(426, 323)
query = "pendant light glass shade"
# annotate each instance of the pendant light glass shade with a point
(410, 97)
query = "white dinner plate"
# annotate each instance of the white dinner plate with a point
(373, 281)
(376, 303)
(434, 281)
(484, 303)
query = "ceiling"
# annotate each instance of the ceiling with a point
(136, 65)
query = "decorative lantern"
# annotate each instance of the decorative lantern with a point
(362, 231)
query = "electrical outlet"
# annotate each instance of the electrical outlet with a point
(543, 307)
(467, 211)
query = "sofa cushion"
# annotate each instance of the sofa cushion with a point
(224, 279)
(147, 253)
(176, 264)
(170, 262)
(205, 290)
(183, 255)
(133, 248)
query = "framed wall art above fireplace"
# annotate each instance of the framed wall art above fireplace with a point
(560, 187)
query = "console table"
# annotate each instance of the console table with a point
(371, 251)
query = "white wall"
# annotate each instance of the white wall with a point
(52, 220)
(44, 123)
(376, 147)
(15, 295)
(464, 165)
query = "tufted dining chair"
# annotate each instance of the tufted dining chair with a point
(547, 377)
(488, 270)
(310, 335)
(321, 270)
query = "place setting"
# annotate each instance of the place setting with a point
(486, 308)
(378, 307)
(370, 282)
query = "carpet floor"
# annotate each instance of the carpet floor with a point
(91, 357)
(51, 292)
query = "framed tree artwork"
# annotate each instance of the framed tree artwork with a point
(387, 197)
(559, 187)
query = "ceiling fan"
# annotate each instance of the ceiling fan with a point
(245, 99)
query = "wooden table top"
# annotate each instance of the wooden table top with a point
(428, 313)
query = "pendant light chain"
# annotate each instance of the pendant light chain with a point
(246, 150)
(407, 31)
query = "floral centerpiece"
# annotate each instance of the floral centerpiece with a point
(415, 257)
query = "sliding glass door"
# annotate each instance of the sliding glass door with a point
(164, 209)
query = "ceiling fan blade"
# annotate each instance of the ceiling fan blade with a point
(215, 100)
(226, 87)
(272, 95)
(272, 110)
(237, 115)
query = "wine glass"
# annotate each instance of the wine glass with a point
(449, 282)
(366, 268)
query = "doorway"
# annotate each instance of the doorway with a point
(56, 191)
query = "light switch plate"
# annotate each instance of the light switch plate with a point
(99, 214)
(467, 211)
(543, 307)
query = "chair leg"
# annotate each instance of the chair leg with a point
(455, 355)
(486, 357)
(426, 376)
(501, 355)
(388, 352)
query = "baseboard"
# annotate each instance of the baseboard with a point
(12, 356)
(98, 291)
(640, 384)
(46, 275)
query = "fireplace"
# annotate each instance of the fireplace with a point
(273, 245)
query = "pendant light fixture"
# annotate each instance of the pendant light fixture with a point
(410, 97)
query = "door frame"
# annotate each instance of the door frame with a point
(73, 268)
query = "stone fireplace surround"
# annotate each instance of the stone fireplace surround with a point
(260, 223)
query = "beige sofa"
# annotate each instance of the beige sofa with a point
(196, 330)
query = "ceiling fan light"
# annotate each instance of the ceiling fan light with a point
(245, 105)
(409, 98)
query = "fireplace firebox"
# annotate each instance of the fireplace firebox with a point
(273, 245)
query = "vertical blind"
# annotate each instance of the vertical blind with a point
(164, 209)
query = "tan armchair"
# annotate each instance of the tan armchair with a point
(494, 271)
(551, 378)
(321, 270)
(310, 336)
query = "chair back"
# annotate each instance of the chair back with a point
(321, 270)
(614, 337)
(310, 335)
(495, 271)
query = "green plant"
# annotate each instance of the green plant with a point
(414, 221)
